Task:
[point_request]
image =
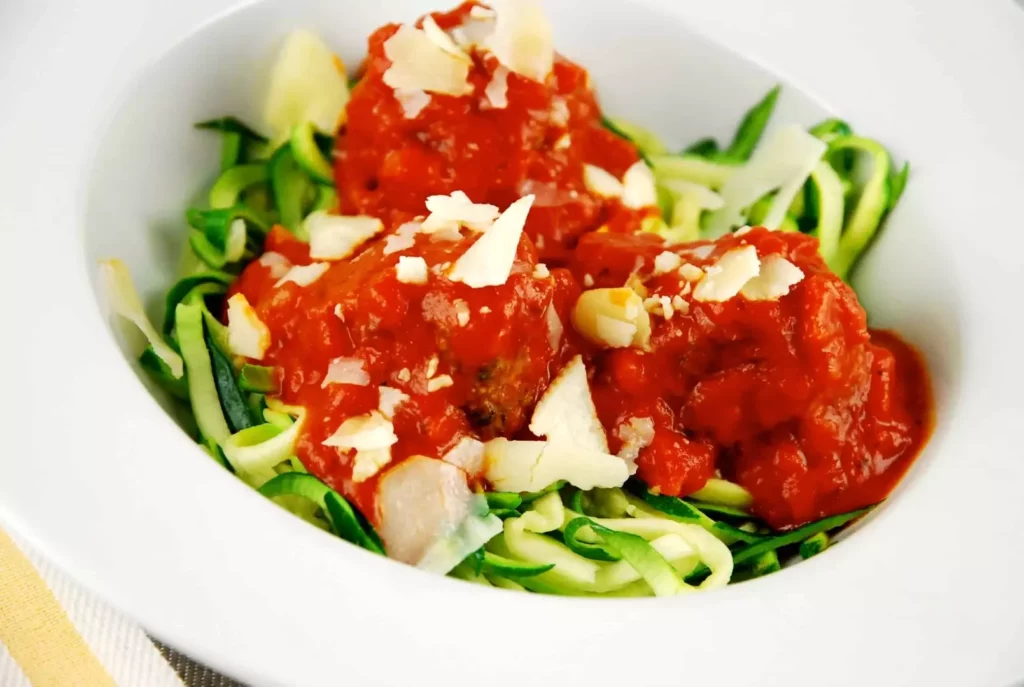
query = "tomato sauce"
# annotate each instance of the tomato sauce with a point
(794, 399)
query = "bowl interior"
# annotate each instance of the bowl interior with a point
(151, 164)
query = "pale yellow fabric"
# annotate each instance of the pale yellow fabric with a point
(37, 632)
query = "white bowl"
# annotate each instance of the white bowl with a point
(102, 161)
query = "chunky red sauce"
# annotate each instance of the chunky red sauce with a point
(794, 399)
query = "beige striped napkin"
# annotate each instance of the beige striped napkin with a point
(54, 634)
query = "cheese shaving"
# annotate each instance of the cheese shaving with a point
(638, 189)
(728, 275)
(335, 237)
(364, 433)
(346, 371)
(488, 262)
(666, 261)
(390, 399)
(411, 270)
(601, 182)
(303, 275)
(497, 89)
(522, 38)
(566, 411)
(442, 40)
(457, 209)
(419, 64)
(777, 276)
(412, 101)
(247, 335)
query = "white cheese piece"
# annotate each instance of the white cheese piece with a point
(667, 311)
(247, 335)
(666, 261)
(566, 411)
(339, 313)
(540, 271)
(638, 189)
(432, 365)
(457, 209)
(124, 300)
(467, 455)
(635, 435)
(691, 272)
(488, 262)
(396, 243)
(728, 275)
(450, 233)
(390, 399)
(555, 328)
(307, 84)
(461, 312)
(411, 270)
(601, 182)
(680, 305)
(403, 375)
(335, 237)
(418, 64)
(346, 371)
(777, 276)
(563, 142)
(368, 463)
(588, 280)
(534, 465)
(485, 310)
(276, 263)
(652, 304)
(439, 382)
(559, 113)
(364, 433)
(782, 162)
(481, 12)
(701, 252)
(522, 38)
(412, 101)
(612, 317)
(442, 40)
(497, 89)
(303, 275)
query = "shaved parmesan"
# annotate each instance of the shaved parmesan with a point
(777, 276)
(534, 465)
(442, 40)
(481, 12)
(247, 335)
(419, 64)
(679, 304)
(563, 142)
(439, 382)
(461, 312)
(566, 411)
(307, 84)
(457, 209)
(396, 243)
(346, 371)
(601, 182)
(497, 89)
(276, 263)
(467, 455)
(540, 271)
(303, 275)
(335, 237)
(666, 261)
(411, 270)
(555, 328)
(125, 301)
(488, 262)
(612, 317)
(449, 233)
(691, 272)
(728, 275)
(412, 101)
(522, 38)
(432, 364)
(390, 399)
(782, 162)
(364, 433)
(638, 190)
(559, 113)
(368, 463)
(636, 435)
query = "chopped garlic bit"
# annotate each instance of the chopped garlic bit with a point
(418, 63)
(666, 261)
(411, 270)
(777, 276)
(439, 382)
(303, 275)
(461, 312)
(346, 371)
(728, 275)
(247, 335)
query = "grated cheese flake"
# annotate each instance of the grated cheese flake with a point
(390, 399)
(601, 182)
(488, 262)
(728, 275)
(456, 210)
(638, 189)
(497, 89)
(588, 280)
(666, 261)
(541, 271)
(303, 275)
(363, 433)
(419, 64)
(411, 270)
(369, 462)
(442, 40)
(566, 412)
(777, 276)
(335, 237)
(247, 335)
(636, 434)
(439, 382)
(461, 312)
(691, 272)
(276, 263)
(346, 371)
(522, 38)
(413, 101)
